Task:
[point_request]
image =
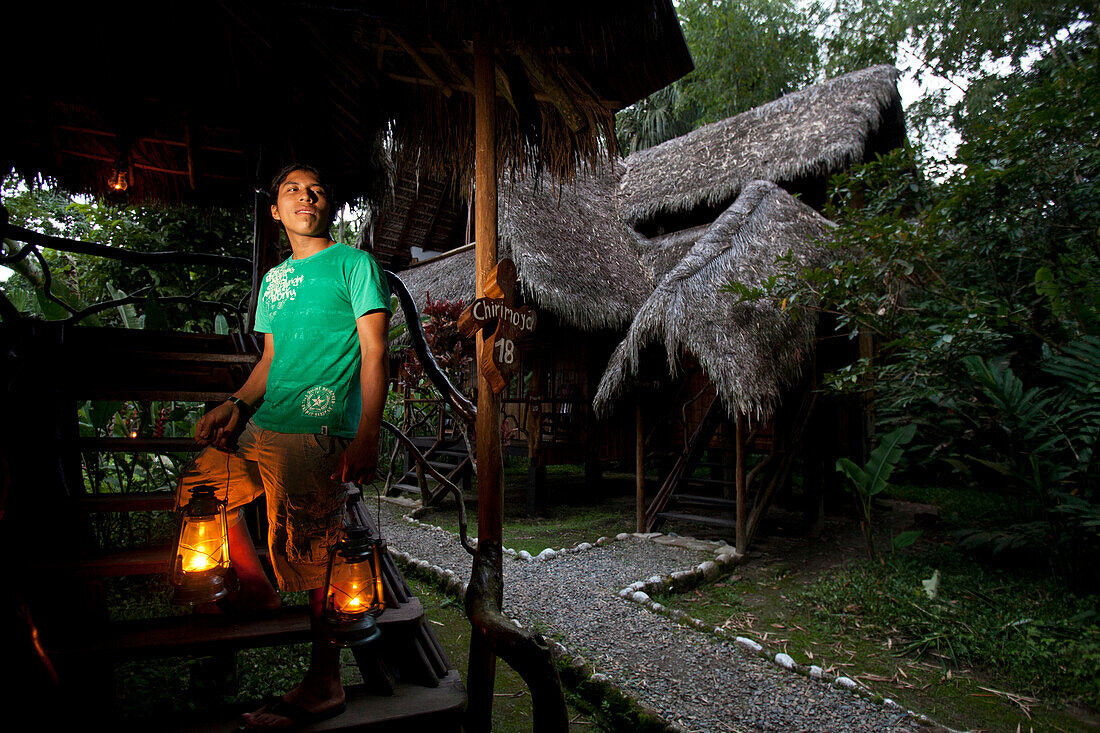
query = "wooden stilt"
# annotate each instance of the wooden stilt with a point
(639, 469)
(741, 539)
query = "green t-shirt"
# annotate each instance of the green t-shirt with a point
(309, 306)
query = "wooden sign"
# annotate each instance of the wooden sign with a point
(503, 323)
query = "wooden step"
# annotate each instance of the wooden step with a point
(716, 502)
(407, 488)
(204, 635)
(411, 708)
(147, 501)
(448, 452)
(708, 519)
(145, 561)
(706, 481)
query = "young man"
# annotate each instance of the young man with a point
(324, 313)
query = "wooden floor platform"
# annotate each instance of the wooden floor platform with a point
(201, 635)
(411, 708)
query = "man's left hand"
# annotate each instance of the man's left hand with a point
(358, 462)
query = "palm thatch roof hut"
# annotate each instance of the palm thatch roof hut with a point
(574, 254)
(752, 351)
(575, 257)
(795, 141)
(638, 255)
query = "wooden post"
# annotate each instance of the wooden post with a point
(639, 469)
(265, 255)
(739, 422)
(490, 497)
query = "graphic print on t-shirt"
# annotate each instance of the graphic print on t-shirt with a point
(281, 286)
(318, 401)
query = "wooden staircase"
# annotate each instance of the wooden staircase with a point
(732, 496)
(445, 450)
(407, 675)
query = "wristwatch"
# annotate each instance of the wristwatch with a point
(244, 407)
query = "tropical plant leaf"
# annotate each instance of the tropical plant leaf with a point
(885, 457)
(907, 538)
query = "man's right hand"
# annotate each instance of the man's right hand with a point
(220, 427)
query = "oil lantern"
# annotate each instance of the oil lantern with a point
(353, 589)
(201, 558)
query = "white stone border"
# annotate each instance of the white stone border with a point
(453, 585)
(639, 592)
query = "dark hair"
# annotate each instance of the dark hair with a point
(284, 173)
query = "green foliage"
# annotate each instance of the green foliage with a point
(1033, 634)
(660, 116)
(873, 477)
(81, 280)
(746, 53)
(1040, 442)
(981, 286)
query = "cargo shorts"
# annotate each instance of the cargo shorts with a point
(305, 507)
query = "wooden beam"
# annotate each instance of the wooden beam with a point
(504, 87)
(490, 497)
(453, 66)
(444, 87)
(539, 70)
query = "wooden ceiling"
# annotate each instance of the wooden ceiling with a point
(199, 102)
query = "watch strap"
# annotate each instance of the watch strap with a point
(243, 406)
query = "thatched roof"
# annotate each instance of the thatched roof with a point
(450, 276)
(820, 129)
(574, 254)
(751, 351)
(199, 101)
(660, 254)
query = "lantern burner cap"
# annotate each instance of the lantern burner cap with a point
(352, 633)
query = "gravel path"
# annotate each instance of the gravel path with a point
(696, 679)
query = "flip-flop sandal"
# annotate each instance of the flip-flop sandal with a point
(299, 716)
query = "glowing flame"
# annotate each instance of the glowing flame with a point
(198, 560)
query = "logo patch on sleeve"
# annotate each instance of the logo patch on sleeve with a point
(318, 401)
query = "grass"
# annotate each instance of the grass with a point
(996, 649)
(512, 701)
(576, 516)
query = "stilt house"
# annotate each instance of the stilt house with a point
(638, 343)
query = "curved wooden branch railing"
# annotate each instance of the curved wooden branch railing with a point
(64, 244)
(445, 483)
(33, 241)
(524, 651)
(458, 401)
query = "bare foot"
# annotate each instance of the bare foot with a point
(300, 706)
